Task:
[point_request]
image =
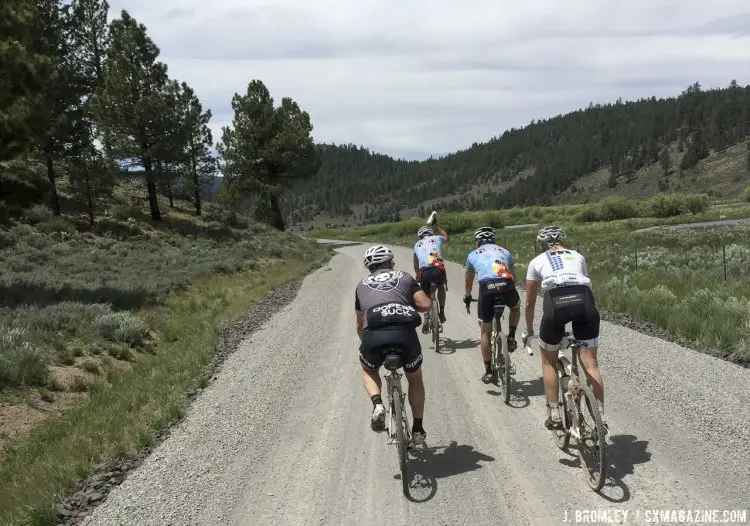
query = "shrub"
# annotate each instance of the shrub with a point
(675, 204)
(123, 212)
(55, 225)
(20, 361)
(609, 209)
(121, 327)
(66, 316)
(37, 214)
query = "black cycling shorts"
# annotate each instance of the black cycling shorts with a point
(374, 342)
(564, 305)
(430, 275)
(496, 292)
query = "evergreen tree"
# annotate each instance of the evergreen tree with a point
(134, 105)
(266, 148)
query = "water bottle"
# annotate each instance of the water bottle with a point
(433, 218)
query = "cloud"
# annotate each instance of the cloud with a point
(432, 76)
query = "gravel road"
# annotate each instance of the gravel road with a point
(282, 436)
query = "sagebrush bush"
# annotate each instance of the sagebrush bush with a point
(21, 362)
(37, 214)
(56, 225)
(121, 327)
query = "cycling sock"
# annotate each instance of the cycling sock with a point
(376, 400)
(488, 366)
(417, 425)
(512, 331)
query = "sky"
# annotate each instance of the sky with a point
(415, 78)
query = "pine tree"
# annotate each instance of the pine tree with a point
(134, 104)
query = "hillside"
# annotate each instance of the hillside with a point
(700, 137)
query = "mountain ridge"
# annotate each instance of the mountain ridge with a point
(689, 142)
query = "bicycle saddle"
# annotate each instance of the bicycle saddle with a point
(393, 359)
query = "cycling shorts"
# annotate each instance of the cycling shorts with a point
(496, 292)
(431, 275)
(374, 342)
(572, 304)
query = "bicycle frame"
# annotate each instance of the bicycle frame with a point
(573, 388)
(393, 386)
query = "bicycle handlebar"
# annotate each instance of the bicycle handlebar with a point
(468, 307)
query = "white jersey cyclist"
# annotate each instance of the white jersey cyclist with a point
(559, 268)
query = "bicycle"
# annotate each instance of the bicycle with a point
(397, 421)
(502, 368)
(573, 388)
(435, 325)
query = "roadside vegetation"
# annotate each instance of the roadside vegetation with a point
(673, 278)
(121, 255)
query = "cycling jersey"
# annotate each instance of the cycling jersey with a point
(387, 298)
(429, 252)
(559, 268)
(490, 262)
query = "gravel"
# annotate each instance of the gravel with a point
(282, 435)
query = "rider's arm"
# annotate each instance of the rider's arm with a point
(421, 302)
(531, 286)
(358, 309)
(416, 265)
(360, 317)
(468, 281)
(513, 272)
(441, 232)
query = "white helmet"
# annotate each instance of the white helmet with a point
(424, 232)
(377, 255)
(485, 234)
(551, 235)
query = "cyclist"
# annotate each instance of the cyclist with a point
(387, 302)
(429, 266)
(494, 267)
(566, 289)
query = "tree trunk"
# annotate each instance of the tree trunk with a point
(153, 201)
(89, 196)
(277, 220)
(169, 191)
(196, 185)
(54, 202)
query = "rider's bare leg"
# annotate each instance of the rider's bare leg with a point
(591, 366)
(485, 342)
(416, 393)
(373, 382)
(549, 374)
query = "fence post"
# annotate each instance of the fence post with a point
(636, 256)
(724, 253)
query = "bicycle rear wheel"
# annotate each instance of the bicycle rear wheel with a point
(505, 369)
(562, 436)
(435, 321)
(398, 420)
(592, 447)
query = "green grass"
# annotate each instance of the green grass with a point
(129, 411)
(678, 283)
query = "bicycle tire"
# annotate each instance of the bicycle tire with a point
(562, 437)
(398, 418)
(506, 370)
(435, 321)
(594, 478)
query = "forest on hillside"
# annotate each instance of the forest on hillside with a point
(531, 164)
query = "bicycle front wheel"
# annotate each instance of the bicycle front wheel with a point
(592, 448)
(398, 418)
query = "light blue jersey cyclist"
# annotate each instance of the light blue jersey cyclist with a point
(429, 251)
(490, 261)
